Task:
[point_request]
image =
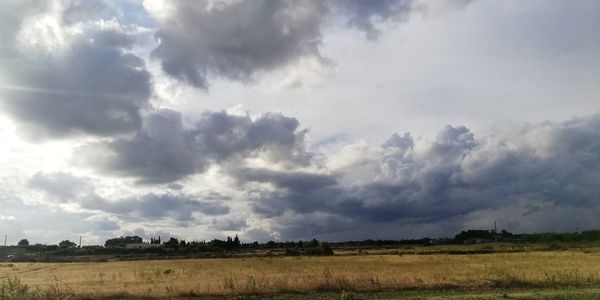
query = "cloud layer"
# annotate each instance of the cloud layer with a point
(106, 117)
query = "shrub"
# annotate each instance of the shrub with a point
(326, 249)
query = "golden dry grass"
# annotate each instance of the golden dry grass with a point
(306, 274)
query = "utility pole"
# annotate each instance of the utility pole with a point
(79, 241)
(5, 236)
(495, 228)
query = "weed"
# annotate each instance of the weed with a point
(346, 295)
(171, 291)
(13, 288)
(168, 271)
(228, 283)
(251, 283)
(59, 290)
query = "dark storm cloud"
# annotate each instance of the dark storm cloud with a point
(297, 191)
(164, 151)
(454, 177)
(89, 83)
(424, 195)
(237, 39)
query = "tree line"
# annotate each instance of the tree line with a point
(306, 247)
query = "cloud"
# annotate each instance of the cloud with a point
(11, 16)
(524, 178)
(48, 224)
(228, 224)
(62, 186)
(235, 39)
(198, 41)
(157, 206)
(60, 79)
(75, 11)
(364, 15)
(164, 151)
(369, 15)
(454, 179)
(67, 188)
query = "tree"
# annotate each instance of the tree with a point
(67, 244)
(23, 242)
(326, 247)
(172, 243)
(314, 243)
(123, 241)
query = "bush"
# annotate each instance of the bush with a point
(326, 249)
(67, 244)
(292, 252)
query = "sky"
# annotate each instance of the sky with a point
(288, 120)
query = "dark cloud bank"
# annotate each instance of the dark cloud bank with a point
(522, 177)
(537, 177)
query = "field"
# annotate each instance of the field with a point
(562, 274)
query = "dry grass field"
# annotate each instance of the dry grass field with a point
(301, 275)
